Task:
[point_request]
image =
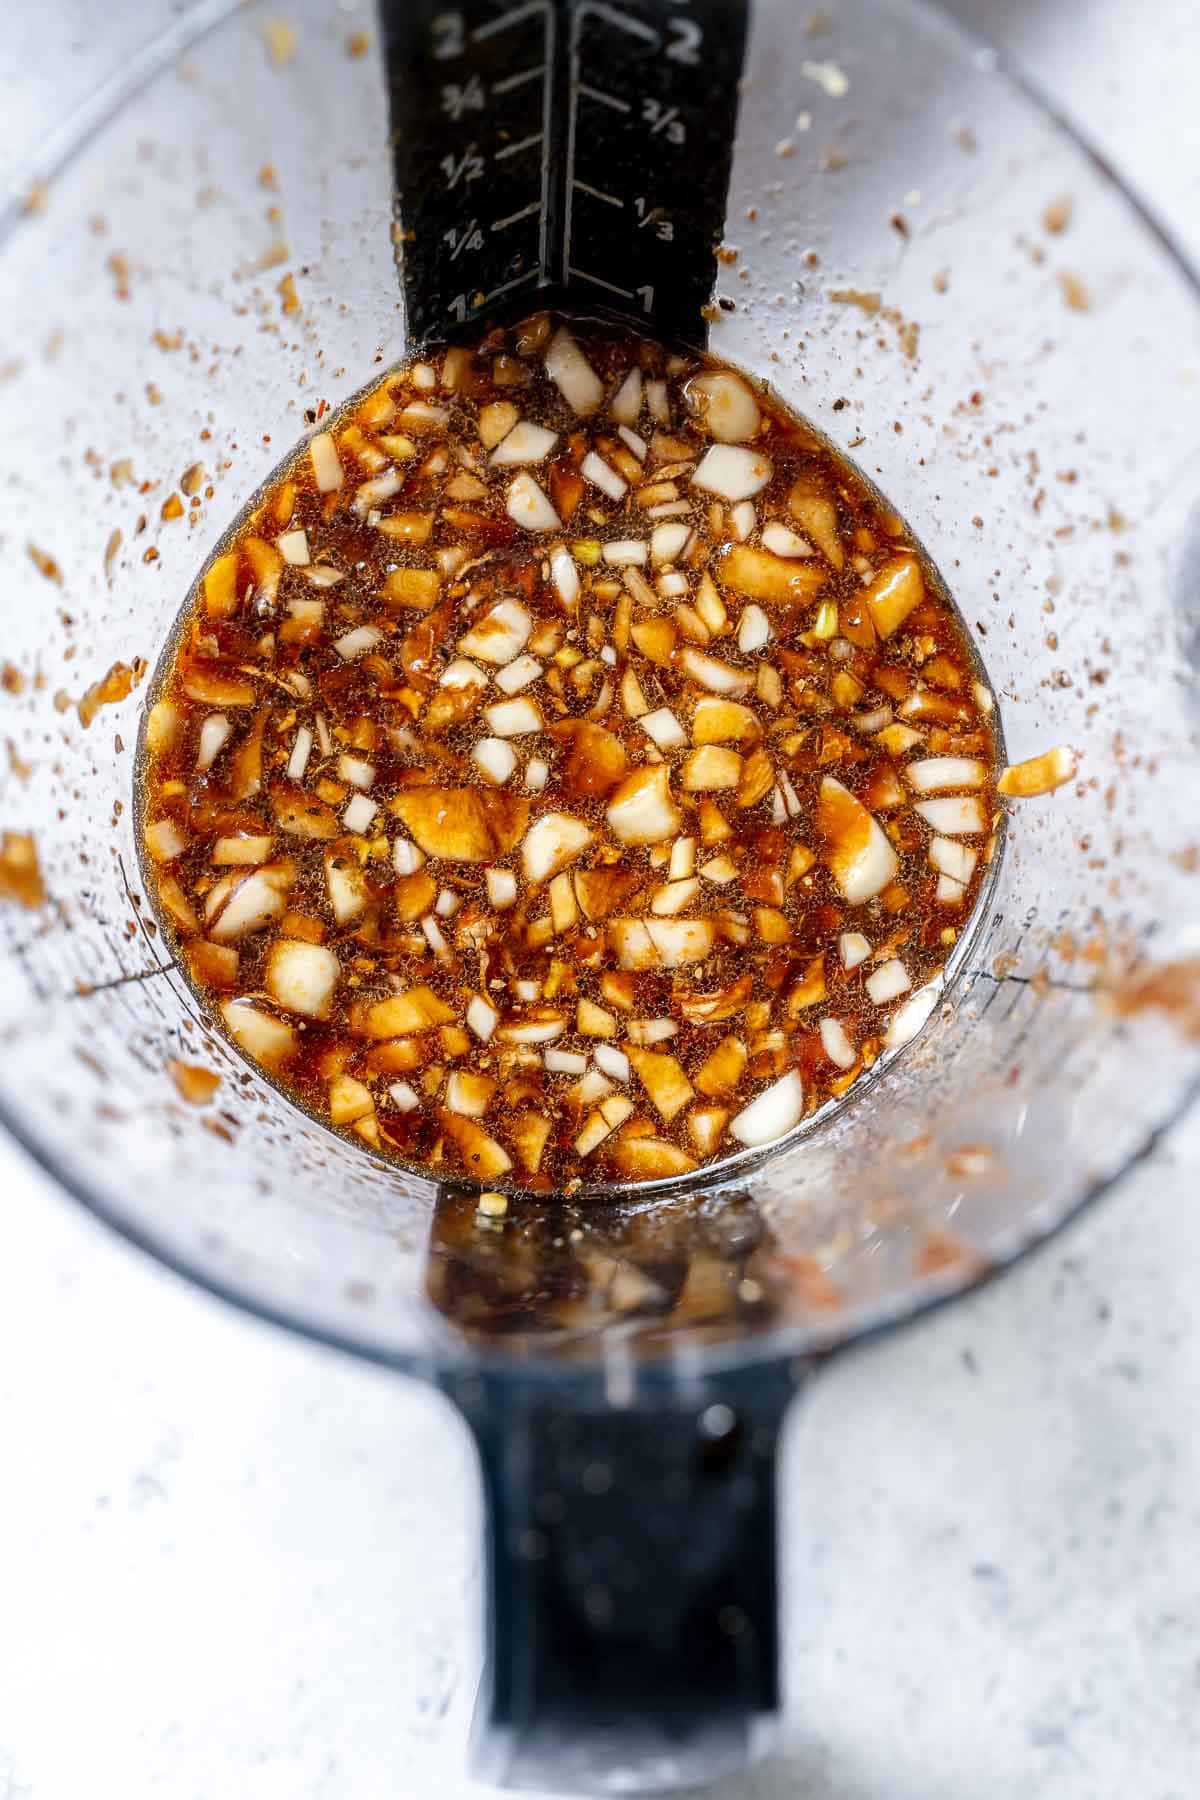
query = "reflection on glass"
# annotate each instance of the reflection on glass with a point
(550, 1276)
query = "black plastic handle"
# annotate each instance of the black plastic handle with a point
(572, 152)
(632, 1633)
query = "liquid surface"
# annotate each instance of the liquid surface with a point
(570, 772)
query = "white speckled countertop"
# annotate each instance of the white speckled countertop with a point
(232, 1563)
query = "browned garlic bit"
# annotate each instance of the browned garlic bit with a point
(572, 773)
(196, 1084)
(20, 872)
(1039, 775)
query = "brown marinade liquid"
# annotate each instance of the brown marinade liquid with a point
(567, 751)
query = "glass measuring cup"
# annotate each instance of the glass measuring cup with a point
(649, 1414)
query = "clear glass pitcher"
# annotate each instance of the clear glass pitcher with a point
(943, 280)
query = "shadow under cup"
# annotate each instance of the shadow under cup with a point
(1022, 383)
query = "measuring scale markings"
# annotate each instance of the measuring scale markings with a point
(471, 97)
(643, 215)
(621, 22)
(546, 146)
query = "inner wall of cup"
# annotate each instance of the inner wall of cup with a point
(894, 281)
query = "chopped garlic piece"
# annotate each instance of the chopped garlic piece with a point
(612, 1061)
(301, 977)
(371, 494)
(165, 841)
(293, 547)
(214, 735)
(354, 769)
(468, 1094)
(674, 897)
(887, 982)
(669, 542)
(326, 466)
(359, 813)
(525, 443)
(626, 551)
(501, 888)
(664, 728)
(731, 472)
(658, 402)
(642, 810)
(301, 751)
(683, 858)
(720, 870)
(957, 816)
(719, 677)
(566, 577)
(1039, 775)
(482, 1017)
(836, 1044)
(572, 373)
(462, 673)
(860, 857)
(420, 415)
(406, 857)
(853, 949)
(772, 1113)
(780, 540)
(495, 759)
(513, 718)
(529, 506)
(727, 408)
(357, 642)
(953, 859)
(435, 939)
(936, 774)
(553, 841)
(594, 469)
(908, 1019)
(626, 403)
(743, 518)
(500, 635)
(754, 630)
(496, 420)
(518, 674)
